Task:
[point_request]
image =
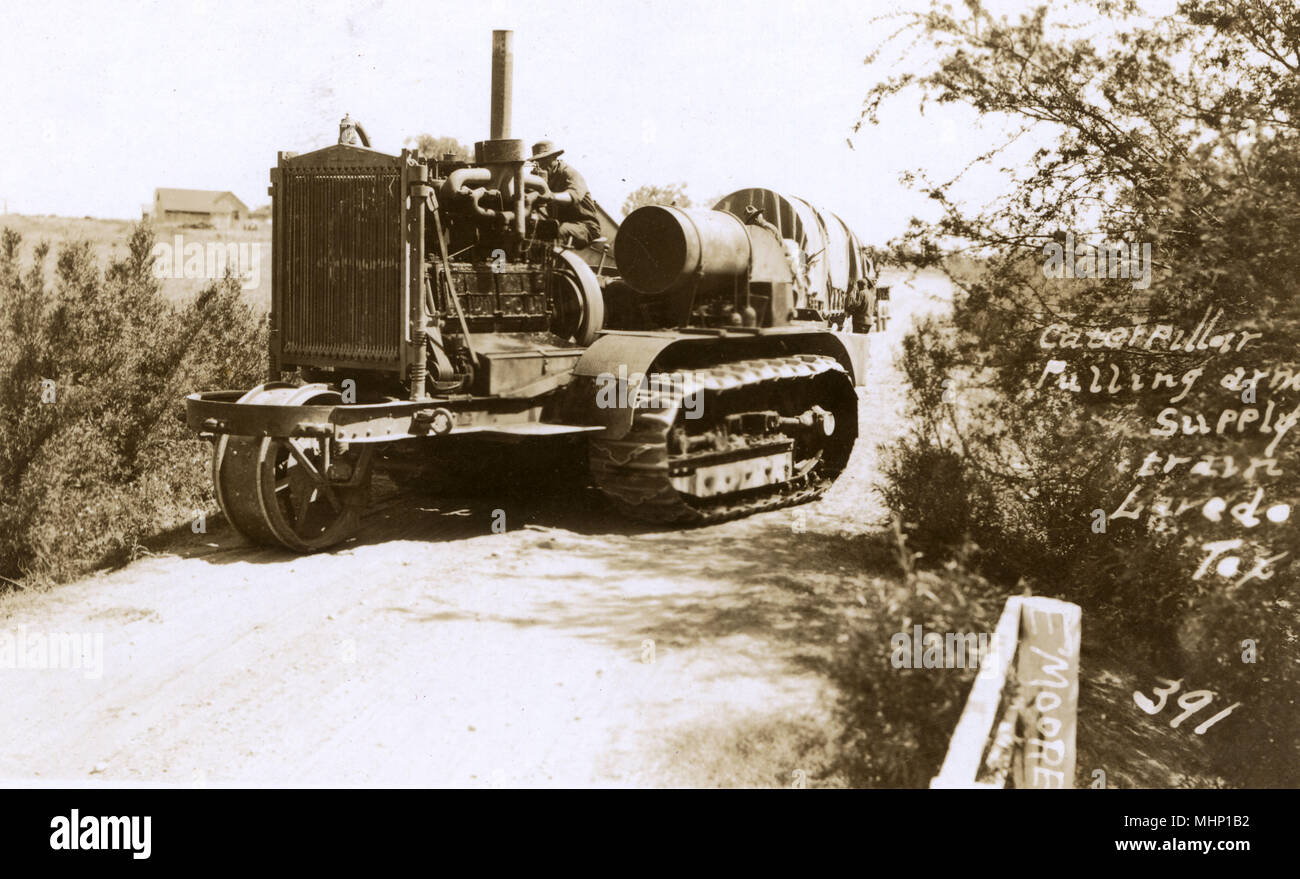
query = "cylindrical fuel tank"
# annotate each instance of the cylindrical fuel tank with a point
(659, 246)
(797, 221)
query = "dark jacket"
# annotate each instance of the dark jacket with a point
(564, 178)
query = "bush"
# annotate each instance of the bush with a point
(1019, 474)
(1019, 466)
(94, 456)
(896, 723)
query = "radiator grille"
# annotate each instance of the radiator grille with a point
(341, 273)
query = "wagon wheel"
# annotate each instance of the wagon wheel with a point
(301, 493)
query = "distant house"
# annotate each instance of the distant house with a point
(221, 209)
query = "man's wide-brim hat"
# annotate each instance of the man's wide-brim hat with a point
(544, 149)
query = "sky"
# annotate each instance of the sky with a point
(105, 102)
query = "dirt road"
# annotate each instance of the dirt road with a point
(571, 650)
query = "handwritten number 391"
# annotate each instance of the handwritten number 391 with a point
(1190, 702)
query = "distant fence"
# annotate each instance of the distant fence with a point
(1018, 727)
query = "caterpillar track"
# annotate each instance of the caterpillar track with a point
(771, 433)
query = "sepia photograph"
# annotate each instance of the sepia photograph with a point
(891, 394)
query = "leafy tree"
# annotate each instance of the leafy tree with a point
(437, 148)
(672, 194)
(1181, 132)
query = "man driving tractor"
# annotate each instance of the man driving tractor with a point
(571, 202)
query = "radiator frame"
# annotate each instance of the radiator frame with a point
(411, 171)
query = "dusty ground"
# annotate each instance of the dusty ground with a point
(571, 650)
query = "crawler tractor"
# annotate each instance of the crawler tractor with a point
(436, 318)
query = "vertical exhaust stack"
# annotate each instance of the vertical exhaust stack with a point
(502, 154)
(503, 74)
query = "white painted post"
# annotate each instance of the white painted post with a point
(1041, 637)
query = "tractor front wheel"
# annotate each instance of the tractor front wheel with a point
(302, 493)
